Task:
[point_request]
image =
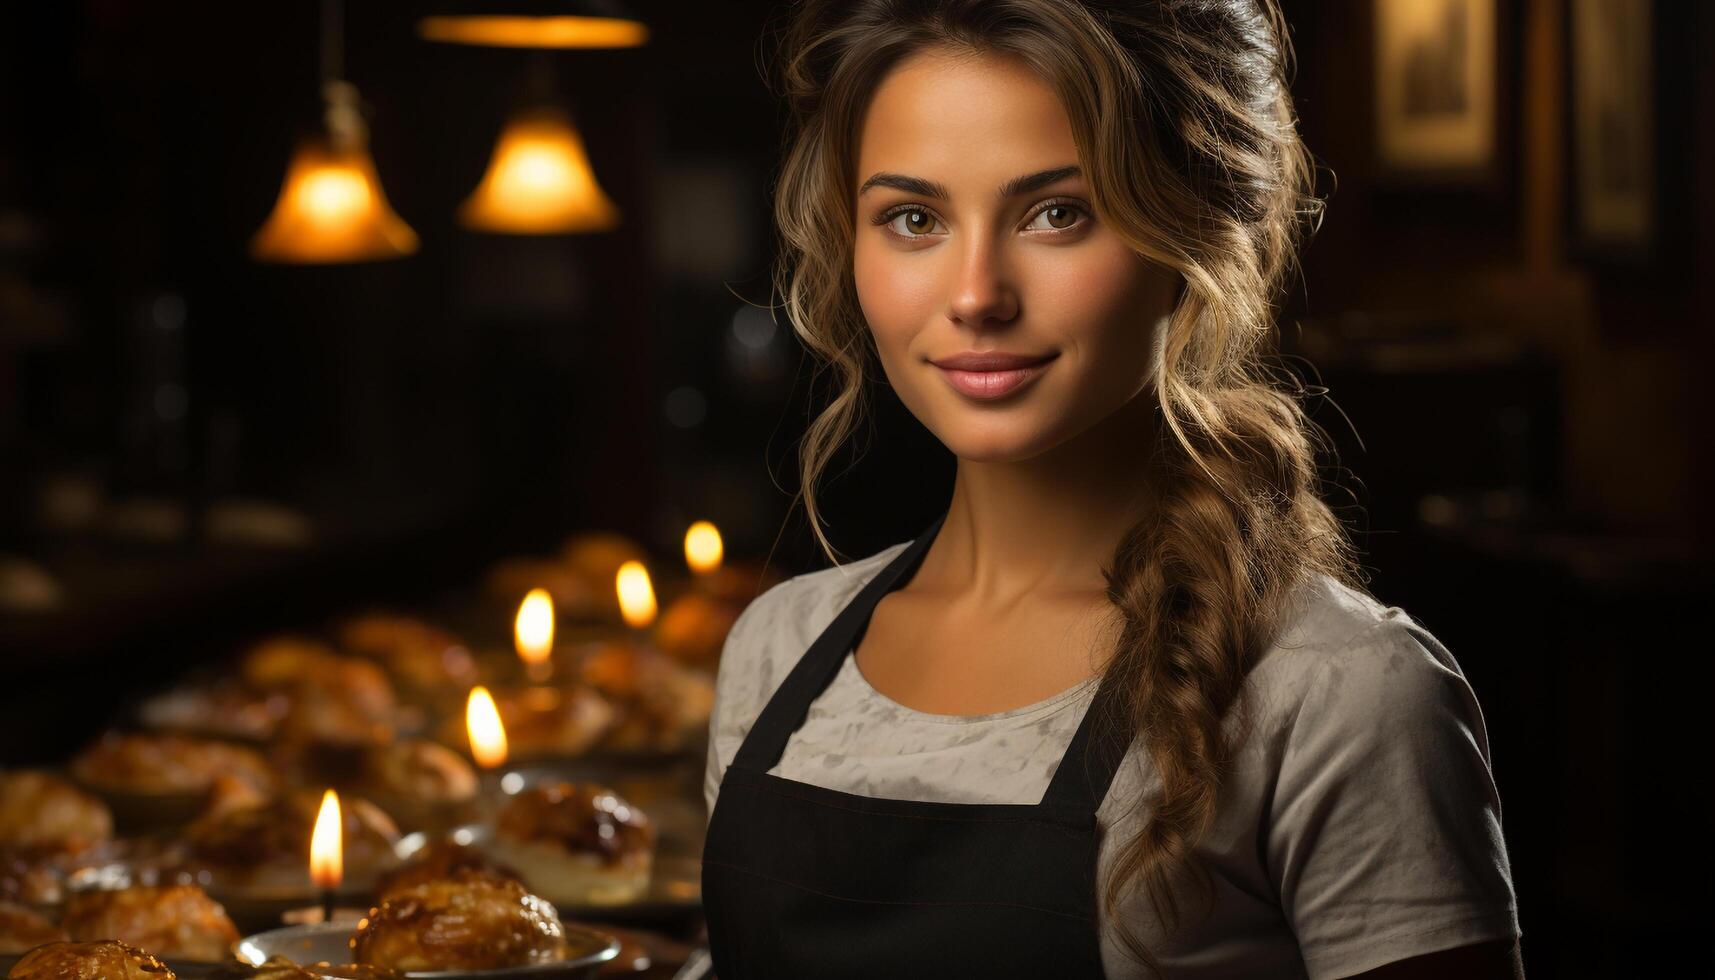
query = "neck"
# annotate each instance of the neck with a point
(1046, 525)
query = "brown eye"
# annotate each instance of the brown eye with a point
(1059, 217)
(916, 223)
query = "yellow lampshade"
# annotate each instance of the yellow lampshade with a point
(539, 182)
(331, 209)
(524, 31)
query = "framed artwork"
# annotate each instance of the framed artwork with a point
(1436, 82)
(1612, 126)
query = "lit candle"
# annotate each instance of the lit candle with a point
(703, 549)
(636, 595)
(533, 634)
(487, 734)
(327, 860)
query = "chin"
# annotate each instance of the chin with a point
(983, 435)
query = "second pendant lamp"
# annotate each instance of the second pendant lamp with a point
(539, 180)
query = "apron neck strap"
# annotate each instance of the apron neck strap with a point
(815, 670)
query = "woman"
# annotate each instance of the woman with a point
(1123, 710)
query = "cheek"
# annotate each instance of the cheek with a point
(1105, 301)
(898, 295)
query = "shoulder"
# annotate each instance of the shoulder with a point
(1346, 662)
(775, 629)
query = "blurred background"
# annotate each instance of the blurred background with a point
(204, 439)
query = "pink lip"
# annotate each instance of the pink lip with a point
(990, 374)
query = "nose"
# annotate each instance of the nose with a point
(984, 295)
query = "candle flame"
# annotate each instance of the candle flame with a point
(487, 734)
(327, 861)
(703, 548)
(636, 595)
(533, 628)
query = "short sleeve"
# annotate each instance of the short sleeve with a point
(1385, 828)
(733, 710)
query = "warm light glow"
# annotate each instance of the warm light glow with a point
(535, 32)
(539, 182)
(533, 631)
(703, 548)
(487, 734)
(636, 595)
(331, 209)
(327, 859)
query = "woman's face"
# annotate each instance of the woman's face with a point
(977, 236)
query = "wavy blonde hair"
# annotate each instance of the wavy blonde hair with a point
(1187, 134)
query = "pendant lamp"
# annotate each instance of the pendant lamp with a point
(331, 207)
(534, 24)
(539, 181)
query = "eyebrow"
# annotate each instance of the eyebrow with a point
(929, 188)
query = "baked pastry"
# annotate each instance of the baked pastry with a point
(265, 846)
(31, 876)
(43, 812)
(542, 721)
(511, 579)
(693, 628)
(166, 763)
(473, 922)
(23, 929)
(424, 659)
(333, 700)
(225, 709)
(580, 843)
(109, 960)
(282, 662)
(662, 705)
(169, 920)
(443, 858)
(421, 783)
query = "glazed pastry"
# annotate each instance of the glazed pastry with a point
(109, 960)
(44, 812)
(283, 662)
(31, 876)
(663, 706)
(266, 845)
(509, 581)
(346, 701)
(423, 658)
(23, 929)
(424, 772)
(693, 628)
(150, 764)
(473, 922)
(169, 920)
(543, 721)
(422, 784)
(224, 710)
(578, 842)
(445, 858)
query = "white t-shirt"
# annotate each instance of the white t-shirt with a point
(1360, 824)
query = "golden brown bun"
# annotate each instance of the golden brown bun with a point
(595, 556)
(224, 709)
(170, 920)
(445, 859)
(421, 657)
(511, 579)
(423, 771)
(663, 705)
(266, 845)
(109, 960)
(280, 662)
(165, 763)
(473, 922)
(23, 929)
(694, 627)
(581, 818)
(43, 811)
(543, 721)
(32, 875)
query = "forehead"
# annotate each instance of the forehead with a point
(971, 119)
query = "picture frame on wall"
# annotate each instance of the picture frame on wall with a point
(1437, 90)
(1612, 127)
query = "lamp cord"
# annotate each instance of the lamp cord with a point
(333, 40)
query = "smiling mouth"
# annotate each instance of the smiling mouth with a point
(987, 377)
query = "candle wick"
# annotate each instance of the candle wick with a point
(327, 904)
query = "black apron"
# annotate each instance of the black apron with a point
(803, 881)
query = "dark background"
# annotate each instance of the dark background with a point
(1522, 422)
